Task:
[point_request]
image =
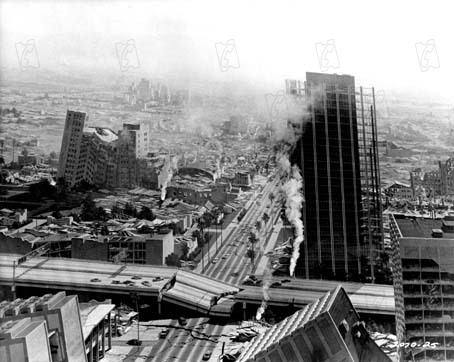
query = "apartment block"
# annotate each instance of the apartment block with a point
(99, 155)
(423, 265)
(71, 145)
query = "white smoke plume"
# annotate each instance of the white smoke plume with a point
(293, 204)
(166, 174)
(218, 172)
(284, 163)
(265, 291)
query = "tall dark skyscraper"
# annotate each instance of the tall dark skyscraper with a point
(337, 154)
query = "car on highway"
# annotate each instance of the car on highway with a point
(252, 280)
(95, 280)
(134, 342)
(136, 277)
(163, 334)
(157, 279)
(188, 264)
(206, 356)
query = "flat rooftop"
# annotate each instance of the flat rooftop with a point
(421, 227)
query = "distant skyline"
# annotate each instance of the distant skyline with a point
(275, 40)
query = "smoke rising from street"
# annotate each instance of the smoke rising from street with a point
(292, 189)
(166, 174)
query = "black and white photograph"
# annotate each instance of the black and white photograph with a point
(249, 181)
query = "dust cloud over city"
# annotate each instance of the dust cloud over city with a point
(226, 181)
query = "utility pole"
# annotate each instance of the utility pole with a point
(13, 287)
(135, 298)
(14, 143)
(253, 258)
(222, 229)
(203, 266)
(216, 237)
(216, 216)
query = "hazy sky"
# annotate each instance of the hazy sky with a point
(375, 40)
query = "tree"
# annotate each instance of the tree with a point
(88, 209)
(130, 209)
(83, 186)
(42, 189)
(100, 214)
(184, 250)
(250, 253)
(265, 217)
(104, 230)
(146, 214)
(75, 217)
(203, 223)
(216, 213)
(198, 236)
(252, 238)
(207, 219)
(116, 210)
(61, 187)
(283, 216)
(57, 214)
(206, 238)
(172, 260)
